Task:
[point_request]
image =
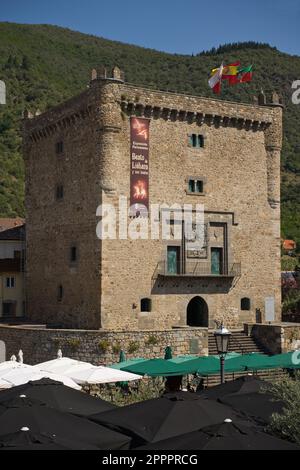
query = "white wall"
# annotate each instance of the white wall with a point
(7, 248)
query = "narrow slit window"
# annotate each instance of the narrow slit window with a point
(73, 254)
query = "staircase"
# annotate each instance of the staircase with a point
(239, 343)
(242, 344)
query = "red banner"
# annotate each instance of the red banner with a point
(139, 165)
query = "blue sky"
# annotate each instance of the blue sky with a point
(182, 26)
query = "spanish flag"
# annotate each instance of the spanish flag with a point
(230, 73)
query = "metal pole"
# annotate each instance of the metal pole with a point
(222, 363)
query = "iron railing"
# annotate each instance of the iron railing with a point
(198, 269)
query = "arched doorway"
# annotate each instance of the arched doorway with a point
(197, 312)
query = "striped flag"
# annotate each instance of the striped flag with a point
(215, 79)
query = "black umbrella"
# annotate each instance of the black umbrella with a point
(20, 412)
(225, 436)
(243, 385)
(161, 418)
(247, 395)
(24, 439)
(58, 396)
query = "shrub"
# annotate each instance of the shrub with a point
(116, 348)
(103, 345)
(73, 343)
(287, 424)
(133, 347)
(152, 340)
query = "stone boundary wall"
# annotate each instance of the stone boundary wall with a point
(277, 338)
(99, 346)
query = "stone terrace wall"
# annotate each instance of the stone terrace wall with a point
(277, 338)
(41, 344)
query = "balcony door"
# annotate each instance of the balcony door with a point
(216, 261)
(173, 259)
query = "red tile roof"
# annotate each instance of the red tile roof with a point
(289, 245)
(7, 223)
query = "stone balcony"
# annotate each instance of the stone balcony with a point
(197, 269)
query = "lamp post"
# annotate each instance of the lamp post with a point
(222, 337)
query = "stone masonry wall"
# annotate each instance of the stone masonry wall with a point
(234, 163)
(277, 338)
(100, 347)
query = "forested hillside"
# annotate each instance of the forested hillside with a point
(43, 65)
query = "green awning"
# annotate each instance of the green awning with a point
(206, 365)
(181, 359)
(289, 360)
(252, 361)
(160, 367)
(203, 365)
(129, 362)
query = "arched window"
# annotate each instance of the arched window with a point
(60, 293)
(245, 303)
(145, 305)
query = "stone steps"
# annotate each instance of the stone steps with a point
(239, 342)
(242, 344)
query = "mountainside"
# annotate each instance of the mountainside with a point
(43, 65)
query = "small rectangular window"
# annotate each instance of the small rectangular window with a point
(196, 140)
(59, 147)
(195, 186)
(60, 293)
(59, 192)
(10, 282)
(73, 253)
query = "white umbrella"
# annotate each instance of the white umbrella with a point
(101, 375)
(21, 376)
(4, 384)
(12, 365)
(62, 365)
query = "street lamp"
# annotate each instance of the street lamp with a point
(222, 337)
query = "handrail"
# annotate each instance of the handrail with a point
(196, 269)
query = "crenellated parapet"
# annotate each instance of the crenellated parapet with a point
(191, 116)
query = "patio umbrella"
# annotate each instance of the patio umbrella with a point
(56, 395)
(159, 367)
(25, 439)
(63, 365)
(248, 395)
(160, 418)
(229, 435)
(203, 365)
(252, 361)
(168, 352)
(101, 375)
(21, 375)
(84, 372)
(128, 362)
(286, 360)
(7, 366)
(122, 357)
(27, 412)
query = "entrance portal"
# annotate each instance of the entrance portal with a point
(197, 313)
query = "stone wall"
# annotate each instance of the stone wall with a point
(100, 347)
(277, 338)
